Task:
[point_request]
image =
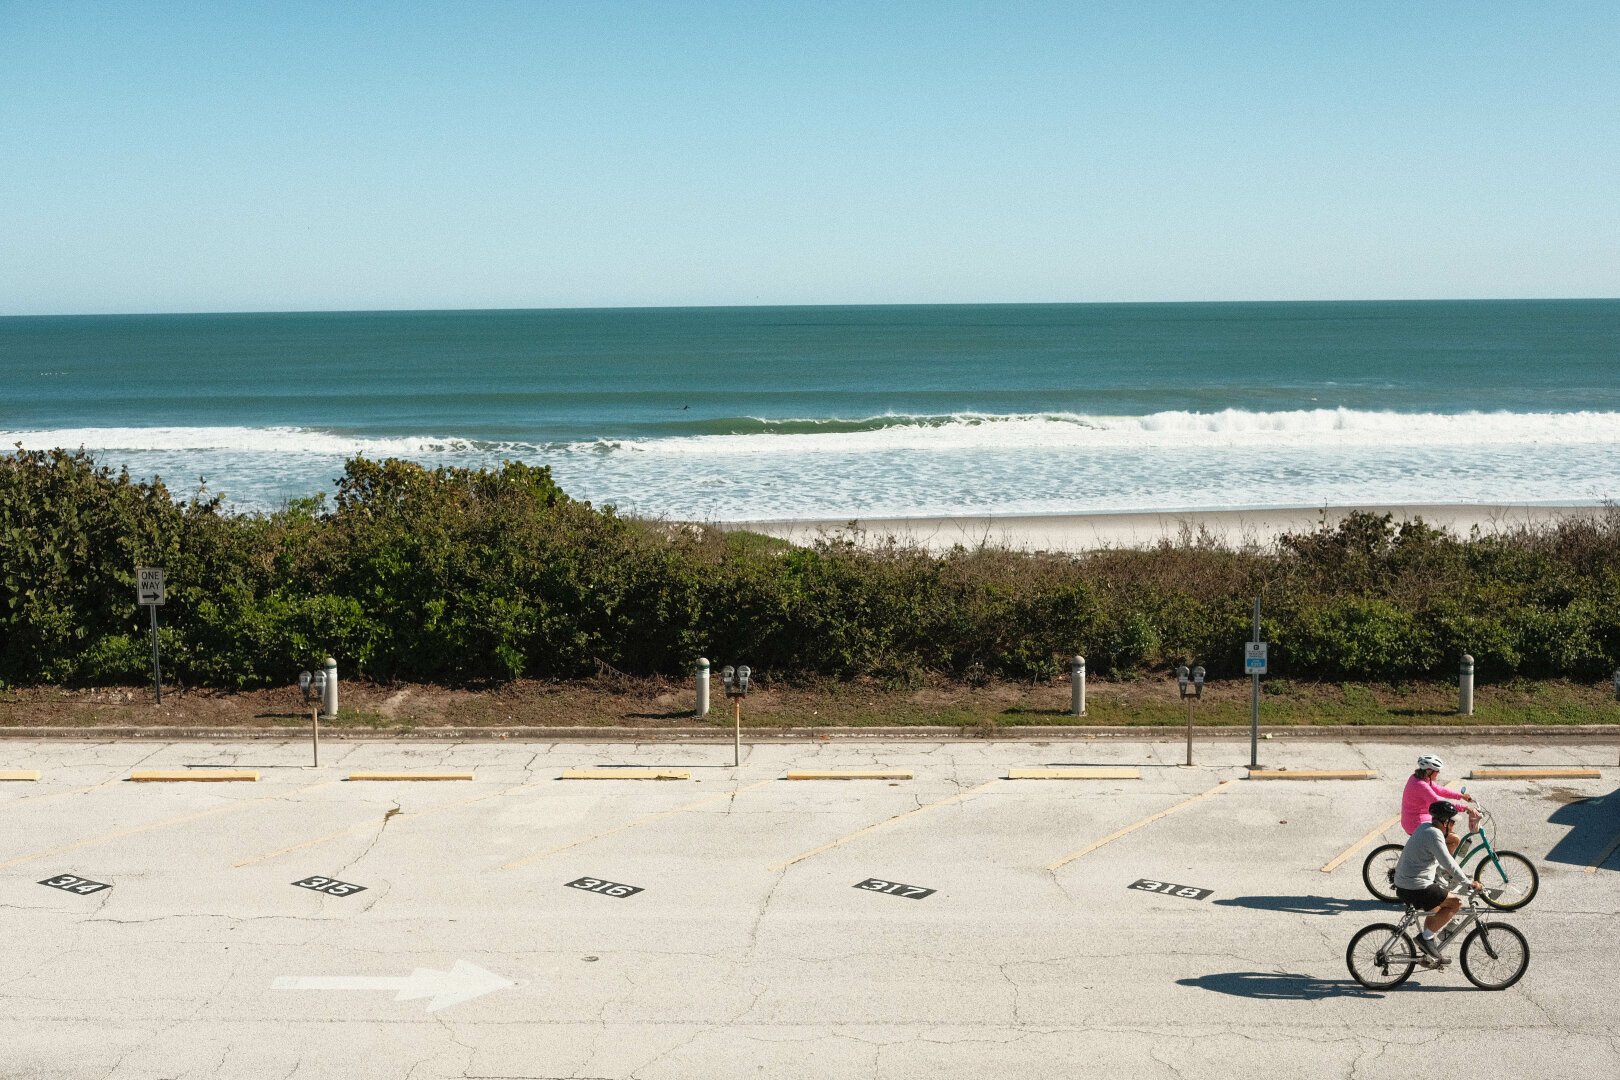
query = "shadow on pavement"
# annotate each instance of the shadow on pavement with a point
(1306, 905)
(1285, 986)
(1594, 823)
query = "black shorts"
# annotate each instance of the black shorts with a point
(1424, 899)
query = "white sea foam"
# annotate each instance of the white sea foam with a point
(1229, 428)
(244, 440)
(919, 466)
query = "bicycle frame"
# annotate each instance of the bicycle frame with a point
(1471, 913)
(1484, 848)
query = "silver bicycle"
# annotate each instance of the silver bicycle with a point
(1494, 955)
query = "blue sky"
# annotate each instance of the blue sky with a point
(236, 156)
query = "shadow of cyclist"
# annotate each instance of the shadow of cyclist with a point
(1287, 986)
(1304, 905)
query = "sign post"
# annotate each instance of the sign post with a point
(149, 594)
(1254, 662)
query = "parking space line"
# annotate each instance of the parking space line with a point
(525, 860)
(368, 829)
(92, 841)
(958, 797)
(32, 799)
(1603, 857)
(19, 774)
(1535, 774)
(1339, 859)
(625, 772)
(1127, 830)
(1075, 772)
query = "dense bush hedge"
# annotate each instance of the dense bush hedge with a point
(460, 576)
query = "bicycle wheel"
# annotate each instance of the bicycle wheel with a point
(1495, 956)
(1378, 872)
(1511, 887)
(1381, 956)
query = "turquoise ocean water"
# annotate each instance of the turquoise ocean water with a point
(837, 412)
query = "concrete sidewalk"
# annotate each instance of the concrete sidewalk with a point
(735, 923)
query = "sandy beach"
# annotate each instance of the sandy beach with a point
(1090, 532)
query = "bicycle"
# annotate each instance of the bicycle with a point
(1494, 955)
(1509, 878)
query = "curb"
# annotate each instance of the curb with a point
(802, 734)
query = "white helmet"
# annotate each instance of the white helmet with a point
(1429, 761)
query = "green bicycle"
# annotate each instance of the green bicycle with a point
(1509, 879)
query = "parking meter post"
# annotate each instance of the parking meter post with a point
(1077, 686)
(736, 733)
(315, 737)
(1189, 729)
(701, 673)
(1465, 687)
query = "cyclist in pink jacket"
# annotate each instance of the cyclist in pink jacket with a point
(1422, 789)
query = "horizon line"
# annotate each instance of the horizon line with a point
(811, 306)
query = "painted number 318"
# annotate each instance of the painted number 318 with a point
(1169, 888)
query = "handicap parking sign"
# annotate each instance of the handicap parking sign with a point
(1254, 658)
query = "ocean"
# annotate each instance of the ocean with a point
(761, 413)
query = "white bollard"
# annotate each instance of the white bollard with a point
(1465, 687)
(702, 671)
(1077, 686)
(329, 694)
(1617, 684)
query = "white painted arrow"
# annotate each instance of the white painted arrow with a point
(462, 982)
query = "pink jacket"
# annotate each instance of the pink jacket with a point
(1416, 798)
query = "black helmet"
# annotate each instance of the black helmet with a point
(1442, 810)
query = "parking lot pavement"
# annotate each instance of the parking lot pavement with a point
(739, 924)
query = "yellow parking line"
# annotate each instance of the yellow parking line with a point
(19, 774)
(1604, 857)
(1116, 834)
(1535, 774)
(367, 830)
(57, 794)
(959, 797)
(524, 860)
(121, 833)
(1075, 772)
(1339, 860)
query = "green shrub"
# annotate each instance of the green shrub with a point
(462, 575)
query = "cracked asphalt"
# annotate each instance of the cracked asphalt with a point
(750, 951)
